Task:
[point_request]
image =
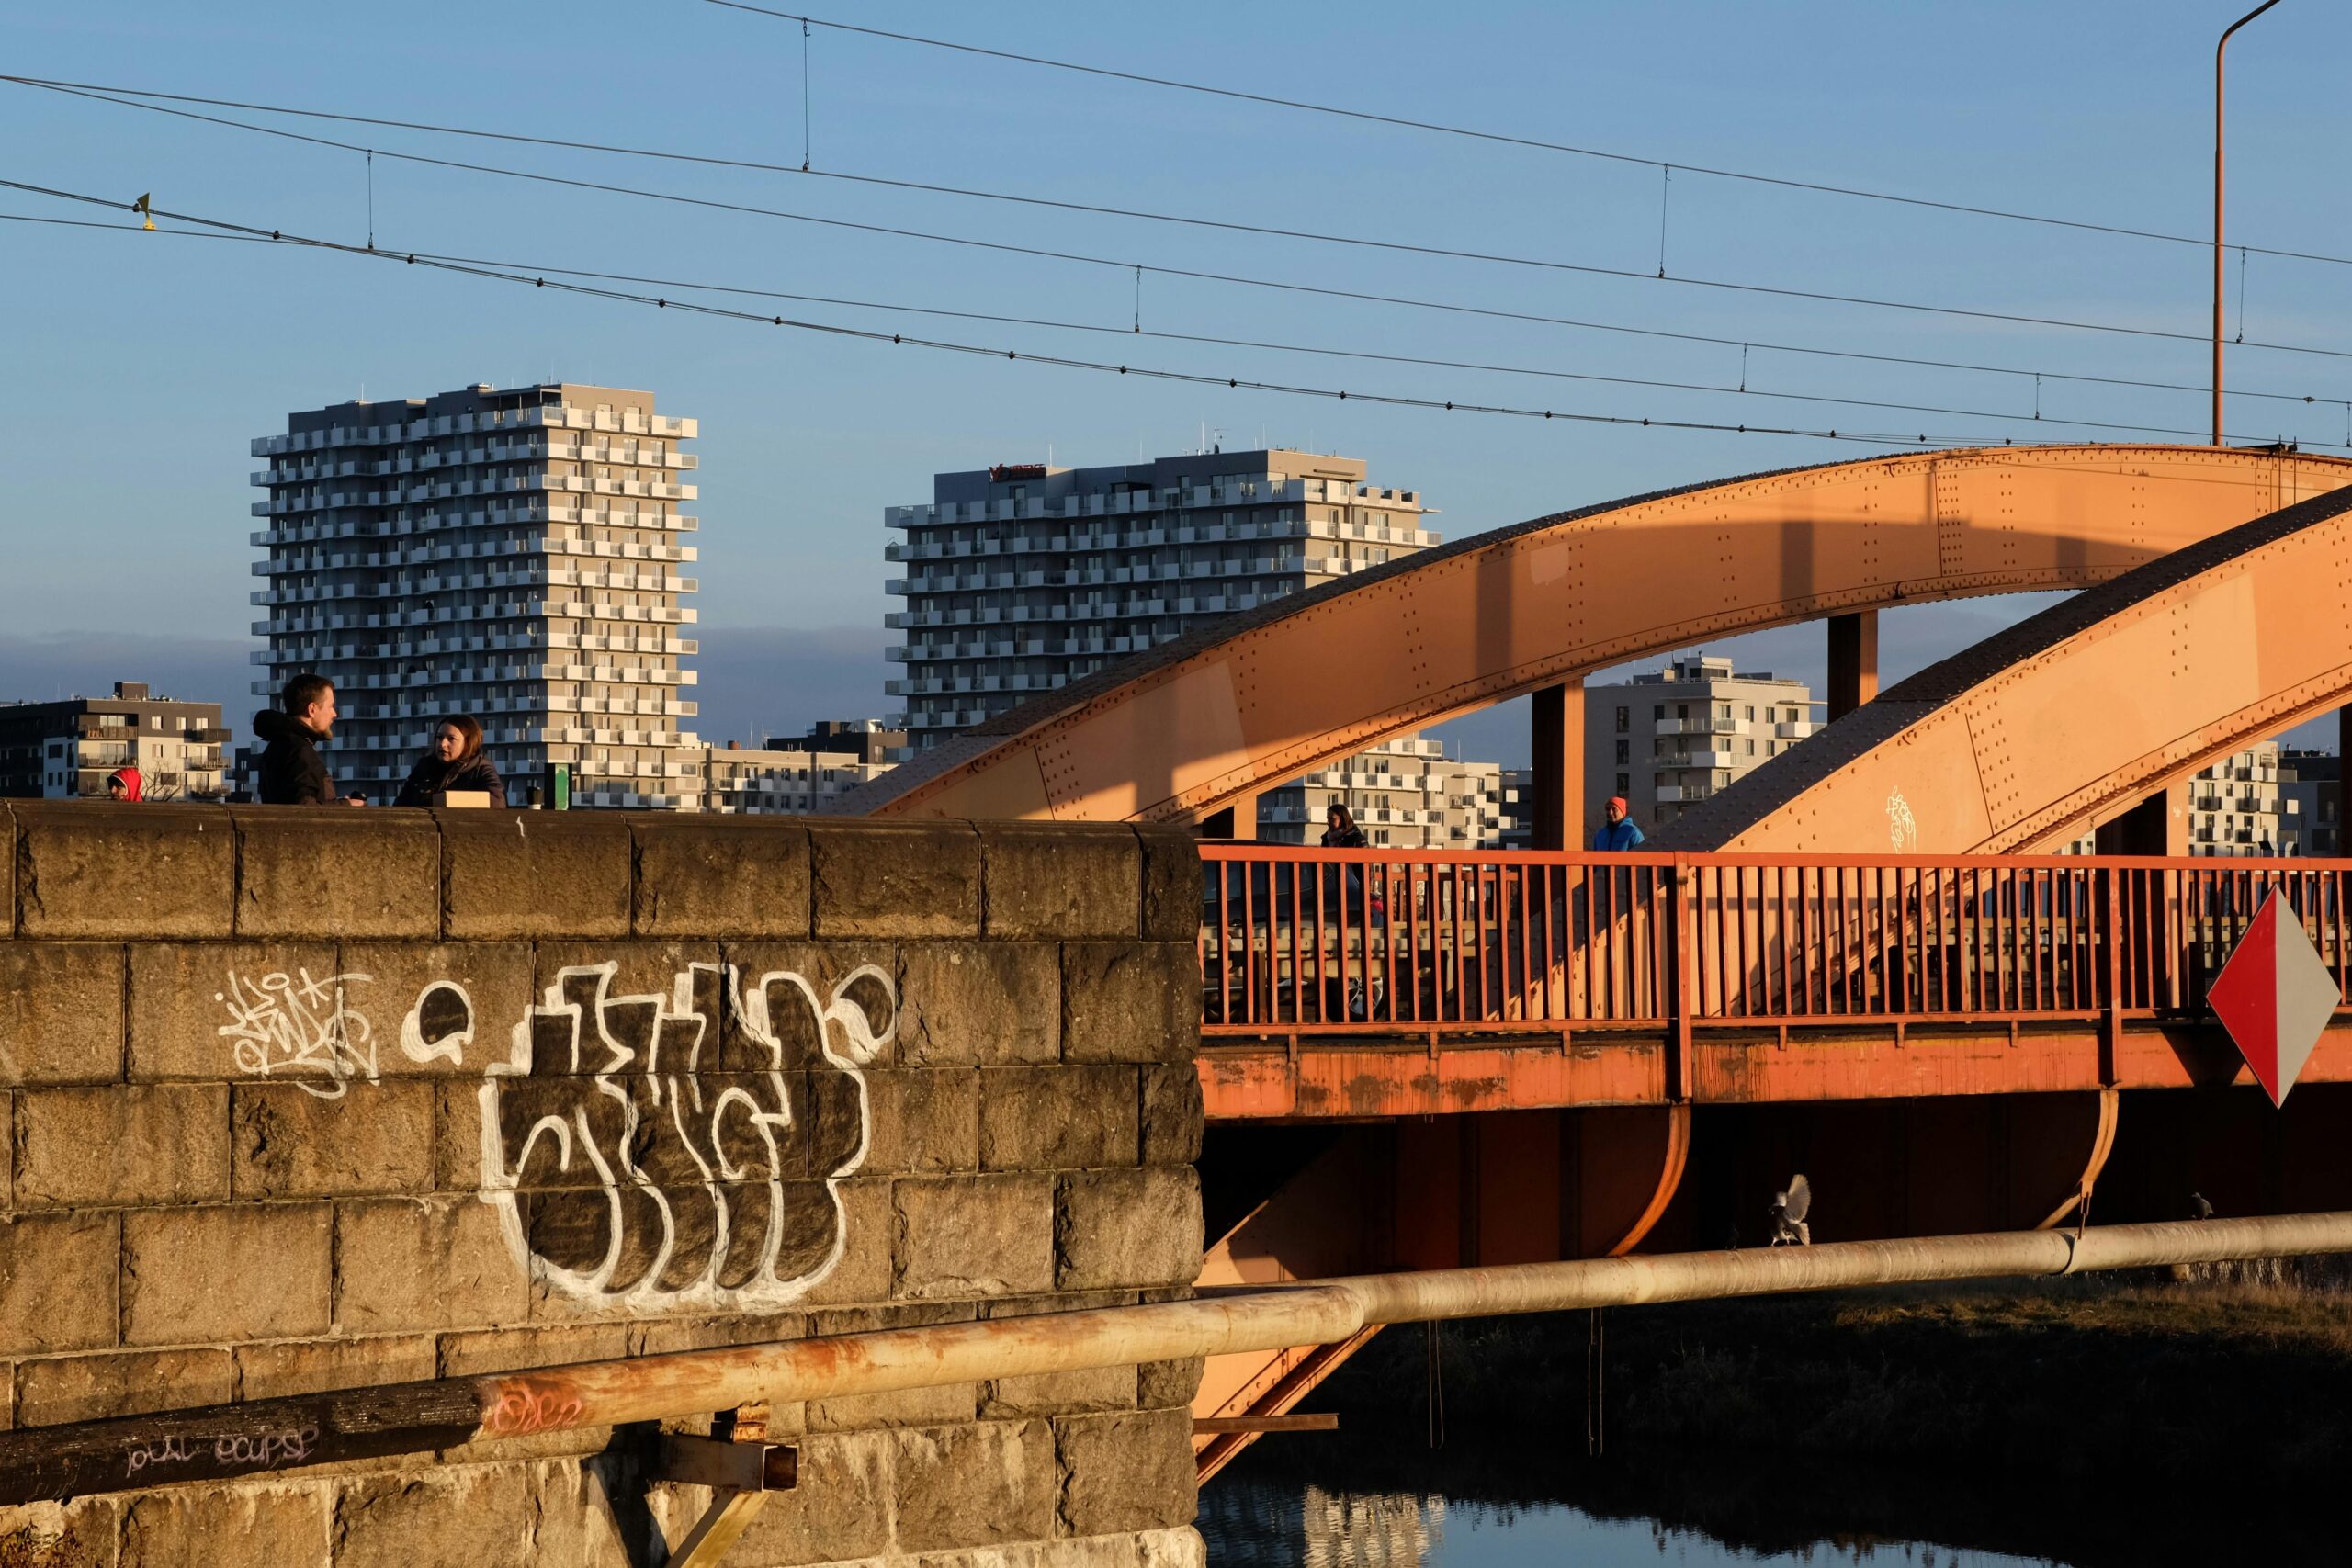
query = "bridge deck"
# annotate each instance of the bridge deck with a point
(1390, 982)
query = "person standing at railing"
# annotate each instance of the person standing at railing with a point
(1618, 831)
(1339, 829)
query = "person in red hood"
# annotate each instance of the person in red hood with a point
(123, 785)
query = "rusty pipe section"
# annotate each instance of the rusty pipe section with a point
(224, 1441)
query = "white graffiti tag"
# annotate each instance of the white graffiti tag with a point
(1901, 825)
(687, 1149)
(293, 1025)
(683, 1149)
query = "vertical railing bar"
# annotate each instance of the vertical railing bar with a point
(1223, 939)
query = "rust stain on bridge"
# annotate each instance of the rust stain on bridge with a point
(1178, 732)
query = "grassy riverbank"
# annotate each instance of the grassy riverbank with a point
(2168, 1381)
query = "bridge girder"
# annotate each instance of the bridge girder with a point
(2035, 736)
(1177, 733)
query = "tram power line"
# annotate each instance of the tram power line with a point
(107, 94)
(1389, 400)
(1536, 143)
(1058, 324)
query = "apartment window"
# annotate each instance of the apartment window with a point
(1751, 711)
(1624, 720)
(1658, 712)
(1723, 710)
(1751, 748)
(1623, 752)
(1682, 710)
(1624, 784)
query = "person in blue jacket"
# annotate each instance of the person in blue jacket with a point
(1619, 832)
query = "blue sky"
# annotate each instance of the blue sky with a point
(139, 367)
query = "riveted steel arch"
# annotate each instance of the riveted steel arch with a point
(1177, 732)
(2036, 735)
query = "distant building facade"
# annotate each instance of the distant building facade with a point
(2235, 807)
(514, 554)
(1404, 793)
(2312, 823)
(1674, 735)
(64, 750)
(1025, 577)
(800, 776)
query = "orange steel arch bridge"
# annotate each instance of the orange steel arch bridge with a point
(1860, 961)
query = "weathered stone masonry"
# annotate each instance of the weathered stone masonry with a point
(301, 1099)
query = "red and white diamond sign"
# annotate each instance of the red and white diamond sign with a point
(2274, 997)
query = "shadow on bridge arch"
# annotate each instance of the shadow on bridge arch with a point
(2037, 734)
(1186, 729)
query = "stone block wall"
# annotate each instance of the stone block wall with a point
(298, 1100)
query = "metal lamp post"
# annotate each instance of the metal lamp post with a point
(2219, 50)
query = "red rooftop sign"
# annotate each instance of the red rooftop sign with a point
(1000, 473)
(2275, 996)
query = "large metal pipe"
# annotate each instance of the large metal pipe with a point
(221, 1442)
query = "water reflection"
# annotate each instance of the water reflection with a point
(1284, 1520)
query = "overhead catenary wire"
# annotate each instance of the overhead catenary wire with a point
(901, 307)
(835, 329)
(1201, 275)
(131, 100)
(1821, 187)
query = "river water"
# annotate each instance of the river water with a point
(1507, 1498)
(1303, 1522)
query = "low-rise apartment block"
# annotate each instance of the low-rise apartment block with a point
(2235, 807)
(64, 750)
(1404, 793)
(1674, 735)
(2312, 823)
(800, 776)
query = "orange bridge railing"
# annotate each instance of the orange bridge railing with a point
(1302, 941)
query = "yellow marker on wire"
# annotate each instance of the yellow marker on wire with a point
(145, 208)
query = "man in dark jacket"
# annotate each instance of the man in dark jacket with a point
(290, 771)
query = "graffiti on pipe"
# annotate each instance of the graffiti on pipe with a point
(670, 1149)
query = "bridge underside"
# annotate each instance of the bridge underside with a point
(1304, 1199)
(1372, 1077)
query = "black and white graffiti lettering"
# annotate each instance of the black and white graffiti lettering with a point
(687, 1149)
(441, 1025)
(291, 1025)
(669, 1150)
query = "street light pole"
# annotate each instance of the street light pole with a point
(2218, 51)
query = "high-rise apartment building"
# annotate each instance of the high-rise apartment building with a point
(64, 750)
(1677, 735)
(514, 554)
(2235, 807)
(1024, 577)
(1404, 793)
